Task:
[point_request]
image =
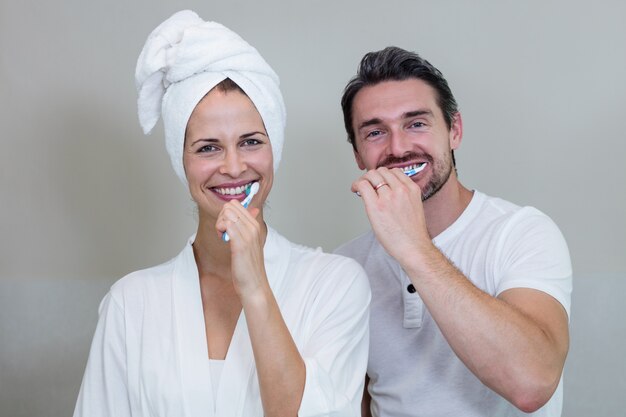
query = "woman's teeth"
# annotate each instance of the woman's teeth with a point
(232, 191)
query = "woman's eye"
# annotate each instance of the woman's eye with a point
(251, 142)
(207, 148)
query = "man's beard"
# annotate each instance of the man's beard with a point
(441, 170)
(440, 175)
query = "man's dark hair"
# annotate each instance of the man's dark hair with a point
(396, 64)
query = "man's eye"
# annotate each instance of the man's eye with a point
(374, 133)
(418, 124)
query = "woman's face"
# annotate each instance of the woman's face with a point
(226, 149)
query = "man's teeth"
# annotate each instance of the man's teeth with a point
(412, 167)
(232, 191)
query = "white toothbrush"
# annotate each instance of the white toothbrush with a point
(414, 171)
(251, 191)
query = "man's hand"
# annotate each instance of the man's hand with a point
(393, 203)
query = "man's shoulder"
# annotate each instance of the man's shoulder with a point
(507, 213)
(498, 211)
(495, 206)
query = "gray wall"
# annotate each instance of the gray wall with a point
(86, 198)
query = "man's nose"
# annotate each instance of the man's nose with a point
(399, 143)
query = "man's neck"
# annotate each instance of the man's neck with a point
(446, 205)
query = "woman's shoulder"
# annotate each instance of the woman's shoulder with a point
(317, 258)
(323, 259)
(330, 282)
(327, 268)
(143, 280)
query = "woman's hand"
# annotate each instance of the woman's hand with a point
(246, 247)
(280, 368)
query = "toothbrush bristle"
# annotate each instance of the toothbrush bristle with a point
(414, 171)
(252, 188)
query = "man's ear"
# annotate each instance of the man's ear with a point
(456, 131)
(358, 159)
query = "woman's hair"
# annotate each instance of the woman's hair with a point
(228, 85)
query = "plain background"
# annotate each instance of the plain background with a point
(86, 198)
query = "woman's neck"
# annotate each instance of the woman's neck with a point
(212, 254)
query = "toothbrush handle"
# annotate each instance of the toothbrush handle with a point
(245, 203)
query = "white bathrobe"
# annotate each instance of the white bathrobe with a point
(149, 354)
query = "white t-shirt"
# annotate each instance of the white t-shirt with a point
(412, 369)
(149, 355)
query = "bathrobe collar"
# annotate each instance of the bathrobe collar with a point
(191, 346)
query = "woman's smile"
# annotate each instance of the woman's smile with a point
(229, 192)
(226, 150)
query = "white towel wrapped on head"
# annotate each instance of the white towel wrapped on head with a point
(182, 60)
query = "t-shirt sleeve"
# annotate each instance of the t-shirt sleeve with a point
(103, 391)
(532, 253)
(336, 352)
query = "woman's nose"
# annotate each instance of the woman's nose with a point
(233, 164)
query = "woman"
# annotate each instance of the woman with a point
(250, 327)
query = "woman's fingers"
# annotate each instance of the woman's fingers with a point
(246, 246)
(238, 221)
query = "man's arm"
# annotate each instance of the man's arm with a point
(515, 344)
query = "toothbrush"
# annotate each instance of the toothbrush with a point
(414, 171)
(408, 173)
(250, 192)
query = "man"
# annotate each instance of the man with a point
(470, 293)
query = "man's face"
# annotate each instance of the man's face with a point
(398, 124)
